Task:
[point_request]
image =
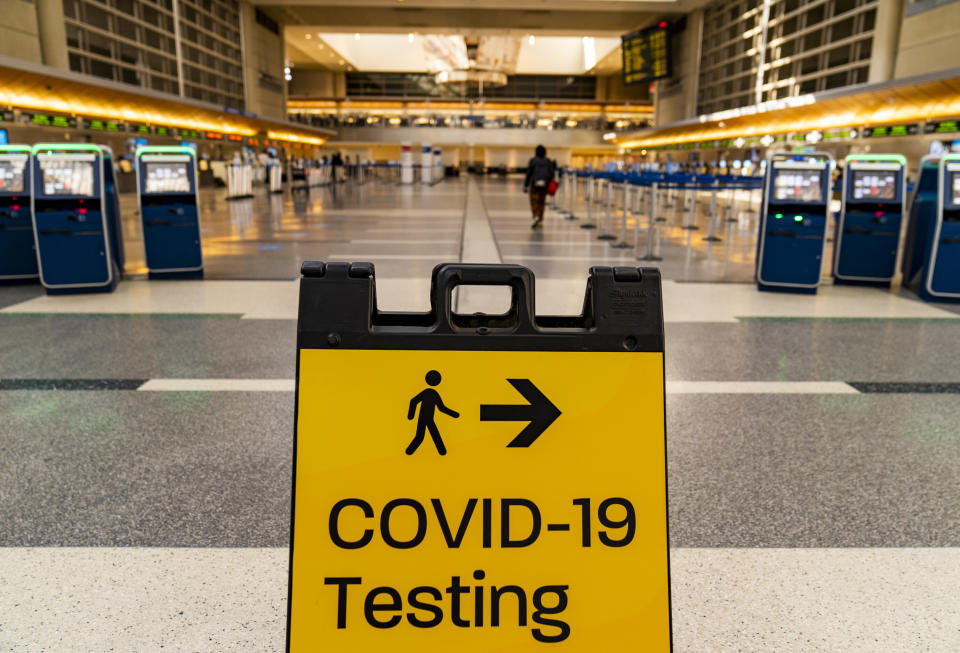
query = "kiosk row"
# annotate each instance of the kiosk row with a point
(60, 216)
(872, 217)
(876, 211)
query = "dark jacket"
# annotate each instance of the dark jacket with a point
(540, 172)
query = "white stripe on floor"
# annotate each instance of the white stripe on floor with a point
(366, 256)
(673, 387)
(747, 599)
(760, 387)
(683, 302)
(404, 242)
(219, 385)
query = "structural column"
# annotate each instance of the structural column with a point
(886, 40)
(53, 33)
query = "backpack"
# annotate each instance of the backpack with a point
(543, 171)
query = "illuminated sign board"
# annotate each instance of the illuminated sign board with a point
(236, 138)
(189, 133)
(47, 120)
(942, 127)
(214, 136)
(837, 134)
(891, 130)
(139, 128)
(104, 125)
(253, 141)
(646, 54)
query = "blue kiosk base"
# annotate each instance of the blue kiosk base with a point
(853, 282)
(934, 299)
(196, 274)
(762, 287)
(83, 291)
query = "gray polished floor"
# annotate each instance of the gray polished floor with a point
(770, 493)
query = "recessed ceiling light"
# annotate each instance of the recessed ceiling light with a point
(356, 37)
(341, 62)
(308, 36)
(533, 39)
(410, 37)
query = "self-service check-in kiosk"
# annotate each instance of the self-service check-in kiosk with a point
(18, 259)
(796, 195)
(868, 229)
(931, 262)
(111, 202)
(169, 211)
(75, 219)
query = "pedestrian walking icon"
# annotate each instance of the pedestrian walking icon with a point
(429, 401)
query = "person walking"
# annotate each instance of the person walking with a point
(540, 172)
(336, 167)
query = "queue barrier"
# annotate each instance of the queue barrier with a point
(603, 187)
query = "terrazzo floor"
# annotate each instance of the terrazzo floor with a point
(145, 435)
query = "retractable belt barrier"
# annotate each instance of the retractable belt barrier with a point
(536, 510)
(657, 186)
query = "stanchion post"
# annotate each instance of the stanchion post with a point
(623, 244)
(608, 207)
(653, 228)
(711, 230)
(572, 213)
(732, 215)
(690, 223)
(589, 224)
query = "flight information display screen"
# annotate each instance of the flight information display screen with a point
(874, 185)
(66, 177)
(11, 175)
(794, 185)
(955, 188)
(167, 177)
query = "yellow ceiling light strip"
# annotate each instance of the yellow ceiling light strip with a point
(34, 91)
(295, 138)
(905, 104)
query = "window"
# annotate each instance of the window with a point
(836, 80)
(101, 69)
(810, 65)
(813, 40)
(127, 28)
(842, 29)
(99, 44)
(129, 76)
(838, 56)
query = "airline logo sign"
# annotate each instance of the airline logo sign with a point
(479, 500)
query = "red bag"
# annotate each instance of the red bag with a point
(552, 187)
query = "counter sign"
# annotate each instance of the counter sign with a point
(462, 485)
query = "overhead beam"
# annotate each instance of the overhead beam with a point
(466, 20)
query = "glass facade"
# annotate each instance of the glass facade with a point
(135, 42)
(802, 46)
(551, 87)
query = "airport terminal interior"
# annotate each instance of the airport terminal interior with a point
(236, 236)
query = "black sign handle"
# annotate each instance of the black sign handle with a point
(519, 319)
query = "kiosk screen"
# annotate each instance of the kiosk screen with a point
(11, 175)
(874, 185)
(167, 177)
(797, 185)
(66, 176)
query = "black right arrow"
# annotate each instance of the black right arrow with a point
(539, 411)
